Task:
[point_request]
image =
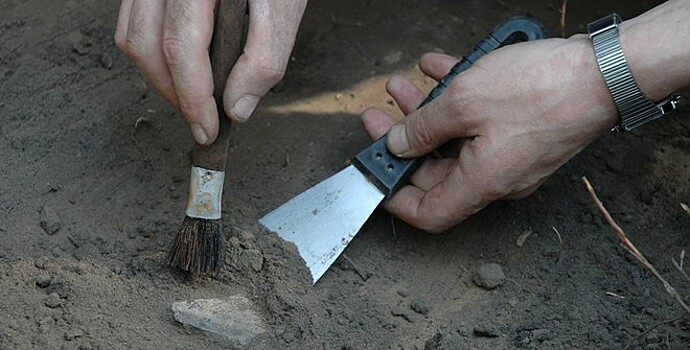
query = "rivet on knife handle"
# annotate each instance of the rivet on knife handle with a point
(389, 172)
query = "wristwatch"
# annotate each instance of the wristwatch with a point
(633, 106)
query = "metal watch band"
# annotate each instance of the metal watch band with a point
(633, 106)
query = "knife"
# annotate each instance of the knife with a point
(324, 219)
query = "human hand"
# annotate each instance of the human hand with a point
(168, 40)
(519, 113)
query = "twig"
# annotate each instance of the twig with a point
(363, 276)
(682, 258)
(631, 248)
(140, 120)
(560, 240)
(560, 243)
(523, 237)
(564, 8)
(633, 340)
(395, 234)
(612, 294)
(680, 269)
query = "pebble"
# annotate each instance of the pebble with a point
(43, 263)
(489, 276)
(234, 318)
(50, 221)
(53, 300)
(485, 332)
(405, 313)
(73, 333)
(43, 281)
(420, 305)
(106, 61)
(445, 341)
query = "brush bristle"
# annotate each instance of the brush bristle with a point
(198, 247)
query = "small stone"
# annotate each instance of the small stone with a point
(652, 338)
(50, 221)
(485, 332)
(235, 318)
(40, 263)
(43, 281)
(73, 334)
(60, 286)
(403, 292)
(445, 341)
(106, 61)
(489, 276)
(400, 311)
(420, 305)
(53, 300)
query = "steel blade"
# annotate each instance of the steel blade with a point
(322, 220)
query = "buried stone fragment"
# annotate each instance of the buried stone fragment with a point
(234, 318)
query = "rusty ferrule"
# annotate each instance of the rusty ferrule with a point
(205, 192)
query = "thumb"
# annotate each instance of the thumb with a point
(425, 129)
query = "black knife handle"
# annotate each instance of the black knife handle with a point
(389, 172)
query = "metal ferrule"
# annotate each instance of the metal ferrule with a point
(205, 192)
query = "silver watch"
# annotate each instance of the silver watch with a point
(633, 106)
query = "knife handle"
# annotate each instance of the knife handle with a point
(389, 172)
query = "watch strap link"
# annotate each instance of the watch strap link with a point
(633, 106)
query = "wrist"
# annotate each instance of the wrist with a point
(591, 90)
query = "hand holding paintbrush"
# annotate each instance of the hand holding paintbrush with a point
(199, 245)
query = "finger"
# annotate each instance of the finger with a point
(405, 93)
(376, 122)
(436, 65)
(187, 31)
(431, 173)
(123, 24)
(429, 127)
(447, 203)
(144, 46)
(272, 30)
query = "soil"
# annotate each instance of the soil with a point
(95, 169)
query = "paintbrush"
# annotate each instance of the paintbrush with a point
(199, 245)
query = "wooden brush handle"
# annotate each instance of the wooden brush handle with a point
(226, 46)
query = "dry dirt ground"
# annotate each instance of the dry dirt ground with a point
(89, 149)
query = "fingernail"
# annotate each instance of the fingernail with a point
(244, 107)
(199, 134)
(397, 140)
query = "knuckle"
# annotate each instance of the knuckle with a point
(174, 50)
(421, 133)
(132, 46)
(189, 105)
(271, 73)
